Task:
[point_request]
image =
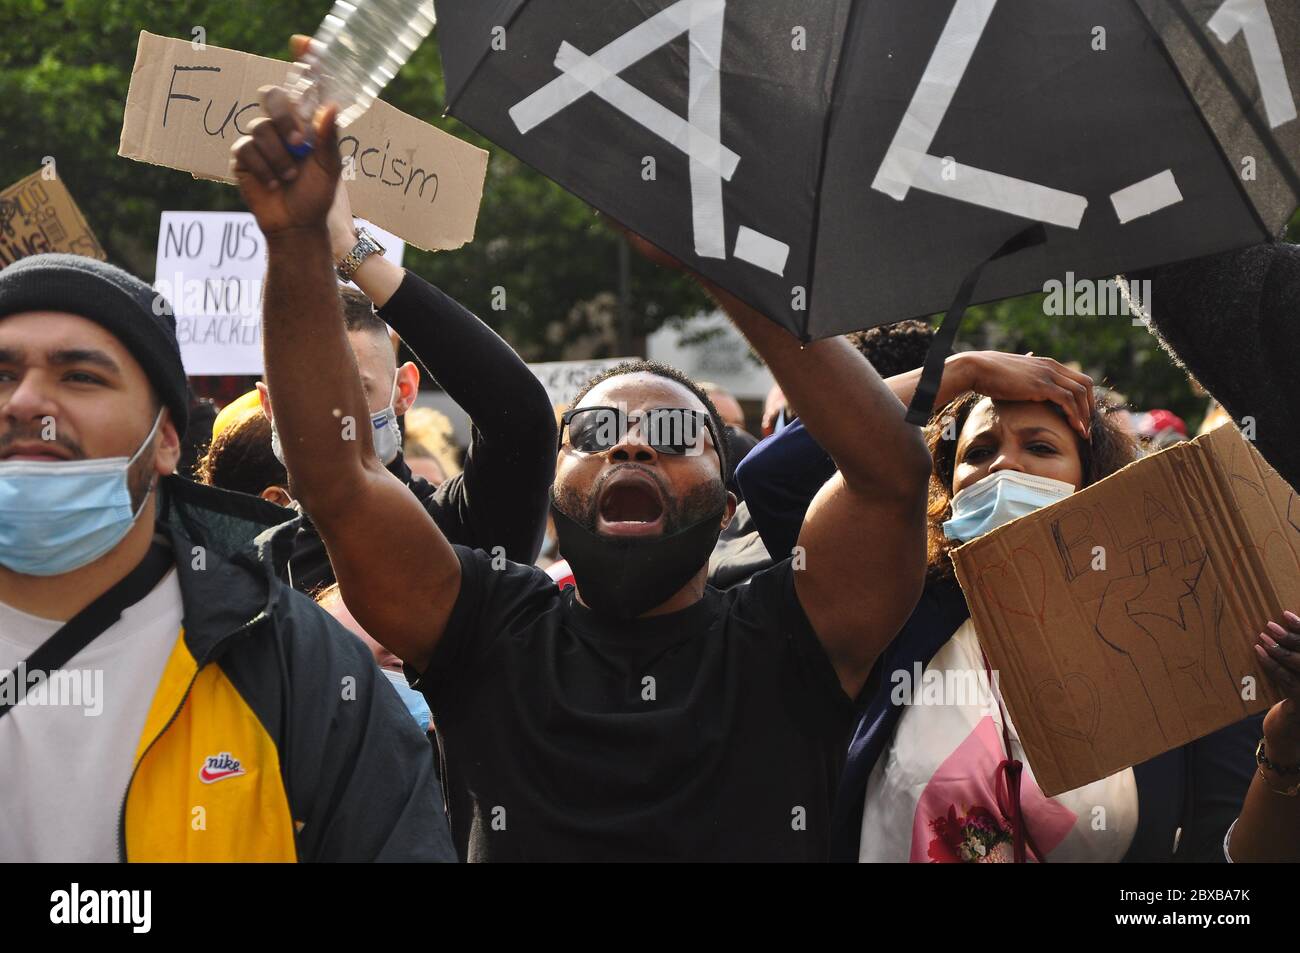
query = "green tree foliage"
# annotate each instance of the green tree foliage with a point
(64, 70)
(1118, 354)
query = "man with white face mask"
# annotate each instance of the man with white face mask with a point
(499, 502)
(390, 388)
(390, 391)
(147, 646)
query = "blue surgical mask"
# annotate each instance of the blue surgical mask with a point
(413, 700)
(57, 516)
(998, 499)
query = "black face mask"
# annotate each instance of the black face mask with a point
(624, 577)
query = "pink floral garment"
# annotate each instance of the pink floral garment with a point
(957, 818)
(932, 795)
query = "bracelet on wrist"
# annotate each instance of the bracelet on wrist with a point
(1289, 774)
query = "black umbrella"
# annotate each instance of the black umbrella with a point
(844, 164)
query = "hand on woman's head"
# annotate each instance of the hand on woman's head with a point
(1024, 377)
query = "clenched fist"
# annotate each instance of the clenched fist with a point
(282, 191)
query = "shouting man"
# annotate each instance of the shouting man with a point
(644, 715)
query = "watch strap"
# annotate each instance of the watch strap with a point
(363, 249)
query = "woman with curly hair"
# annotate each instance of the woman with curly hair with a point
(936, 769)
(976, 437)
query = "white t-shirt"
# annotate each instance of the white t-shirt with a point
(67, 751)
(932, 795)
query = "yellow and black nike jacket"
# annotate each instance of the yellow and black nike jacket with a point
(272, 735)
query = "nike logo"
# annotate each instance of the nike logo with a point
(207, 777)
(218, 767)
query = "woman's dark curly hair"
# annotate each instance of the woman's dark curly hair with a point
(240, 458)
(1111, 448)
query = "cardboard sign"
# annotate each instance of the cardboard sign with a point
(563, 379)
(37, 215)
(186, 106)
(1121, 620)
(210, 267)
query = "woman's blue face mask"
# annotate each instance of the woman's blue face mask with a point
(998, 499)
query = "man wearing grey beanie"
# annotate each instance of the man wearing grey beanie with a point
(163, 695)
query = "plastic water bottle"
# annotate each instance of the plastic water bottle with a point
(356, 52)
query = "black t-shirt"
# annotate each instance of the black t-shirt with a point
(739, 552)
(714, 733)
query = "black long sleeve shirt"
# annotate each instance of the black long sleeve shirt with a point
(501, 498)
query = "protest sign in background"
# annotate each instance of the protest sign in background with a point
(210, 267)
(709, 348)
(563, 379)
(188, 103)
(37, 215)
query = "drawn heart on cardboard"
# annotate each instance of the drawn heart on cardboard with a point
(1275, 551)
(1055, 698)
(1000, 584)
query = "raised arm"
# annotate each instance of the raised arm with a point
(398, 574)
(1005, 376)
(863, 538)
(864, 534)
(501, 498)
(1269, 826)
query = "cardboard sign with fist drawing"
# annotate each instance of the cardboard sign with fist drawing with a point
(1120, 620)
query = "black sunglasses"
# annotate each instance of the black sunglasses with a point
(672, 430)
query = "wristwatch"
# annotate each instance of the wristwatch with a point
(1282, 771)
(363, 249)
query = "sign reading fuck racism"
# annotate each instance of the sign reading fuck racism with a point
(189, 102)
